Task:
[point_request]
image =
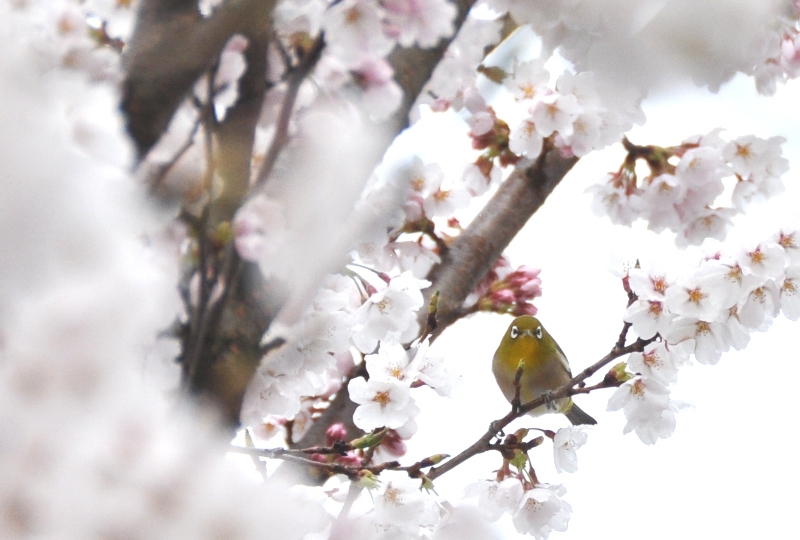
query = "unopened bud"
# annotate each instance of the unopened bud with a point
(619, 373)
(369, 440)
(336, 432)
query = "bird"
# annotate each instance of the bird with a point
(544, 368)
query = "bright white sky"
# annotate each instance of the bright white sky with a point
(730, 470)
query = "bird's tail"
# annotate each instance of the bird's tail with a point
(577, 416)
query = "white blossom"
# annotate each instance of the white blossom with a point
(710, 339)
(496, 498)
(565, 444)
(400, 501)
(525, 140)
(353, 29)
(390, 313)
(542, 511)
(648, 317)
(528, 81)
(789, 297)
(647, 407)
(555, 113)
(382, 403)
(765, 260)
(393, 362)
(760, 306)
(420, 21)
(659, 361)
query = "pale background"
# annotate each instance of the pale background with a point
(730, 469)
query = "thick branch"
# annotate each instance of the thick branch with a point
(172, 45)
(237, 133)
(477, 248)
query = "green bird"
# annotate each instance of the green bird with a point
(544, 369)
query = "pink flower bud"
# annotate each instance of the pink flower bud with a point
(503, 297)
(336, 432)
(393, 444)
(440, 105)
(525, 309)
(349, 459)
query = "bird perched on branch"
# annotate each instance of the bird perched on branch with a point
(544, 368)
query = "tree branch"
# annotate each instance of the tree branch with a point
(483, 444)
(571, 388)
(477, 248)
(172, 45)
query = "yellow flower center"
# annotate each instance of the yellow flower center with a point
(743, 151)
(651, 359)
(441, 195)
(757, 257)
(659, 284)
(528, 90)
(382, 399)
(787, 240)
(655, 308)
(702, 328)
(696, 295)
(353, 16)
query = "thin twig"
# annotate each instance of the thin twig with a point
(574, 387)
(569, 389)
(158, 175)
(281, 137)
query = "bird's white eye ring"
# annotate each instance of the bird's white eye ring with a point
(539, 332)
(514, 332)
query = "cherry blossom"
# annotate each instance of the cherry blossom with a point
(354, 29)
(393, 361)
(422, 21)
(381, 403)
(789, 297)
(765, 261)
(555, 113)
(496, 498)
(648, 317)
(542, 511)
(259, 228)
(647, 407)
(390, 313)
(529, 81)
(659, 361)
(565, 443)
(400, 502)
(525, 140)
(711, 339)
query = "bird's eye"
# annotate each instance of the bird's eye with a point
(539, 332)
(514, 332)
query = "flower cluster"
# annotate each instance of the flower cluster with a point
(384, 400)
(359, 34)
(782, 62)
(505, 290)
(310, 364)
(682, 192)
(537, 510)
(576, 114)
(619, 38)
(702, 314)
